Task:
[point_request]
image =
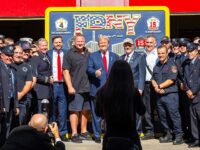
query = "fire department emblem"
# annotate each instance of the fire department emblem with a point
(61, 24)
(153, 23)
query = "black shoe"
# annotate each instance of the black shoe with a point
(85, 136)
(194, 144)
(148, 136)
(64, 139)
(76, 139)
(97, 140)
(188, 140)
(166, 139)
(178, 141)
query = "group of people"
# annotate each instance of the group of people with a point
(124, 91)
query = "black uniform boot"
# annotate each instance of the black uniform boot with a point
(166, 139)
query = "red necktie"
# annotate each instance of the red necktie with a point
(59, 69)
(105, 62)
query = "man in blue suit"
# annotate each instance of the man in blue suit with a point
(99, 65)
(137, 63)
(59, 87)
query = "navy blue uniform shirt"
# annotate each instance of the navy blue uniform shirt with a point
(163, 72)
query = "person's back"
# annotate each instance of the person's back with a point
(34, 136)
(118, 102)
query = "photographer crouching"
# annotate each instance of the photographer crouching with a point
(34, 136)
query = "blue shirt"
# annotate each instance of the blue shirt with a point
(163, 72)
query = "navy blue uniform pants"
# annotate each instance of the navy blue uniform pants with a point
(168, 112)
(195, 120)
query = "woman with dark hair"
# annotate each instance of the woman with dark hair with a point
(118, 102)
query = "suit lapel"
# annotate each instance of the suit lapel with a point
(134, 56)
(100, 60)
(111, 60)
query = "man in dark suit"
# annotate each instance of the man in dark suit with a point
(42, 65)
(99, 65)
(137, 64)
(59, 87)
(34, 136)
(192, 85)
(8, 92)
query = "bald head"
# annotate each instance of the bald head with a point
(39, 122)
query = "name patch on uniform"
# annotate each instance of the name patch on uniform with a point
(174, 69)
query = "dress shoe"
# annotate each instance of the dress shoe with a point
(166, 139)
(178, 141)
(194, 144)
(148, 135)
(96, 139)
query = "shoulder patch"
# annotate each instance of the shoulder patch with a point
(174, 69)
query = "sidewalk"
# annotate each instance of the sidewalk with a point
(147, 145)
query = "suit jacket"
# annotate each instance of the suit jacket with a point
(5, 89)
(191, 78)
(95, 62)
(137, 64)
(42, 65)
(50, 54)
(28, 138)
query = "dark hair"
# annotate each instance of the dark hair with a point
(116, 97)
(162, 46)
(56, 37)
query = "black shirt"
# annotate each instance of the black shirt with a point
(23, 74)
(76, 63)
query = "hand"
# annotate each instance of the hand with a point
(157, 89)
(182, 87)
(54, 129)
(98, 72)
(140, 91)
(17, 112)
(161, 91)
(19, 96)
(51, 80)
(190, 94)
(71, 91)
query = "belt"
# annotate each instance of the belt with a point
(58, 82)
(147, 82)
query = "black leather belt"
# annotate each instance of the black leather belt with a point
(57, 82)
(147, 82)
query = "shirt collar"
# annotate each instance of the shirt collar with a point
(131, 54)
(193, 60)
(154, 51)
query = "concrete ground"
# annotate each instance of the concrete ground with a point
(147, 145)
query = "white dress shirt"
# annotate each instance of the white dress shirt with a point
(129, 56)
(54, 64)
(151, 60)
(107, 57)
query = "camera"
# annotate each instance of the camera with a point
(50, 134)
